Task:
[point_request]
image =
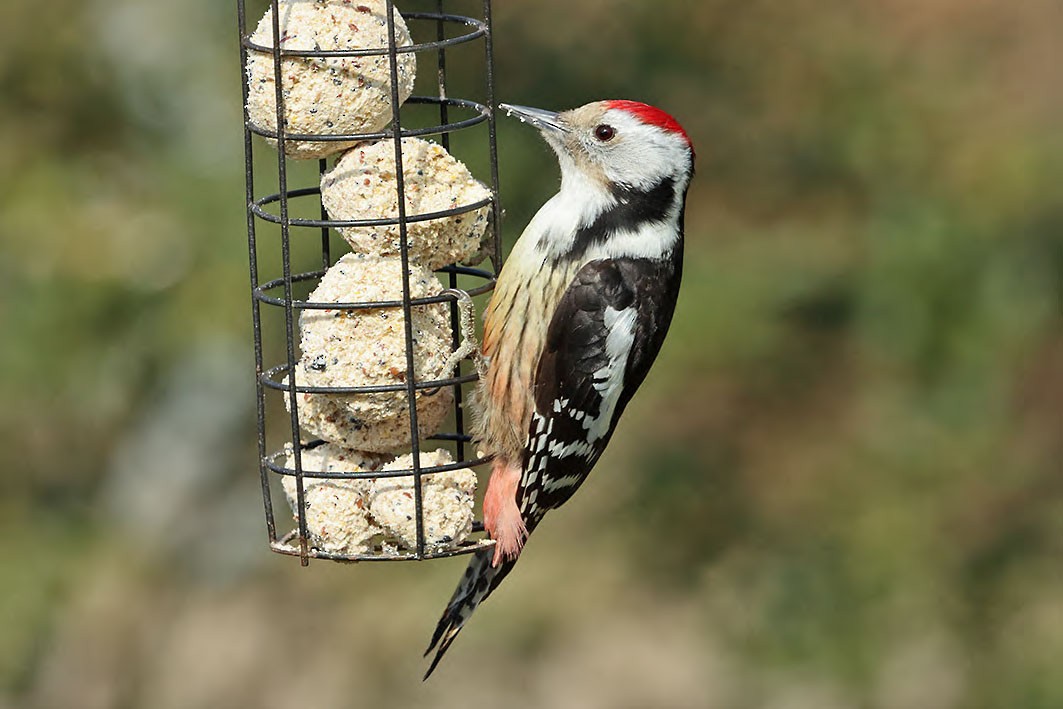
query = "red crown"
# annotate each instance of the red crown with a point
(653, 116)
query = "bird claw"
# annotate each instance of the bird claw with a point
(469, 347)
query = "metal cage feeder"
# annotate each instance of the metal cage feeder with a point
(277, 295)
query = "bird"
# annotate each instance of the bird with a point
(579, 312)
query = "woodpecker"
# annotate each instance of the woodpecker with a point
(577, 317)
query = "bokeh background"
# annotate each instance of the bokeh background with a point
(842, 485)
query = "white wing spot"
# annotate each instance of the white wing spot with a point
(609, 380)
(562, 482)
(557, 450)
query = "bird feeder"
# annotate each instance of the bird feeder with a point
(360, 351)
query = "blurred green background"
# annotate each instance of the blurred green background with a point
(842, 485)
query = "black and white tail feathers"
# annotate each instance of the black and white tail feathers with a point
(479, 580)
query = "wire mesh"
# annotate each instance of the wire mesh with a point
(278, 294)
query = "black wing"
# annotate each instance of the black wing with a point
(604, 335)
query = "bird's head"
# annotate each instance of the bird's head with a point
(615, 143)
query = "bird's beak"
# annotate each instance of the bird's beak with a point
(545, 121)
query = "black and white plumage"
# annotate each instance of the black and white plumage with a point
(578, 316)
(604, 335)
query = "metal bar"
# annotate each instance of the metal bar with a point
(326, 250)
(256, 314)
(455, 327)
(404, 254)
(492, 138)
(441, 75)
(286, 257)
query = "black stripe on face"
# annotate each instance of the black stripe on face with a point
(633, 208)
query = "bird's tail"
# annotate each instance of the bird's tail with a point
(479, 581)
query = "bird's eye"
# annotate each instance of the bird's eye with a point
(604, 132)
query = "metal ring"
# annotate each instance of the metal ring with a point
(481, 110)
(260, 292)
(268, 381)
(460, 437)
(271, 463)
(258, 208)
(284, 546)
(479, 30)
